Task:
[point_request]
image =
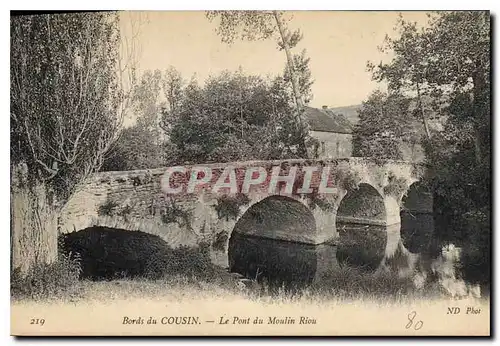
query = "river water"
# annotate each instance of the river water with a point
(295, 265)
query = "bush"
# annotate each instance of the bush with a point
(173, 213)
(46, 280)
(228, 207)
(187, 261)
(107, 208)
(108, 253)
(476, 254)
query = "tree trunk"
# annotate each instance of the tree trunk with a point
(289, 58)
(295, 84)
(33, 227)
(477, 145)
(478, 102)
(422, 113)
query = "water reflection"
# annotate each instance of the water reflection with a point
(275, 262)
(361, 246)
(295, 265)
(417, 230)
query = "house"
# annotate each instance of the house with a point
(332, 131)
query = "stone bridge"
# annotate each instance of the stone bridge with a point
(307, 201)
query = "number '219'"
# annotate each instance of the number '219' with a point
(40, 321)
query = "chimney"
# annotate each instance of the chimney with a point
(325, 107)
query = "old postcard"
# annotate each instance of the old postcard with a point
(250, 173)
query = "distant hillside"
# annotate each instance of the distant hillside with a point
(350, 112)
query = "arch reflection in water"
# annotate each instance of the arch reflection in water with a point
(271, 243)
(417, 219)
(362, 246)
(296, 265)
(360, 223)
(279, 263)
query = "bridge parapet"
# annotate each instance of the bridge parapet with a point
(207, 207)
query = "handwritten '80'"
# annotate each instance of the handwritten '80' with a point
(411, 317)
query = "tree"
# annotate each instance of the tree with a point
(136, 148)
(384, 125)
(447, 58)
(143, 145)
(450, 60)
(255, 25)
(145, 99)
(173, 84)
(407, 70)
(303, 74)
(233, 117)
(65, 101)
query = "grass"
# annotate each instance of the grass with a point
(345, 284)
(91, 268)
(43, 281)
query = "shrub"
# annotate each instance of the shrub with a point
(109, 254)
(347, 179)
(228, 207)
(220, 241)
(173, 213)
(107, 208)
(321, 202)
(396, 186)
(46, 280)
(476, 254)
(187, 261)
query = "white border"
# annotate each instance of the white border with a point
(187, 5)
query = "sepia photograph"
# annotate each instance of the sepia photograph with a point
(250, 173)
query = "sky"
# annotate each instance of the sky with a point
(339, 45)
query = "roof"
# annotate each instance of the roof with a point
(349, 112)
(325, 120)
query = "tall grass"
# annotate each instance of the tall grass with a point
(47, 280)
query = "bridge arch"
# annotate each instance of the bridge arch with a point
(107, 253)
(361, 222)
(267, 241)
(278, 217)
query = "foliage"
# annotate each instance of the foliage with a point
(220, 241)
(476, 257)
(348, 179)
(384, 123)
(317, 200)
(65, 96)
(233, 117)
(114, 253)
(136, 148)
(258, 25)
(173, 213)
(173, 87)
(228, 207)
(141, 145)
(107, 208)
(246, 25)
(303, 73)
(449, 62)
(396, 186)
(46, 280)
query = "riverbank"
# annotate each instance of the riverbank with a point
(124, 307)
